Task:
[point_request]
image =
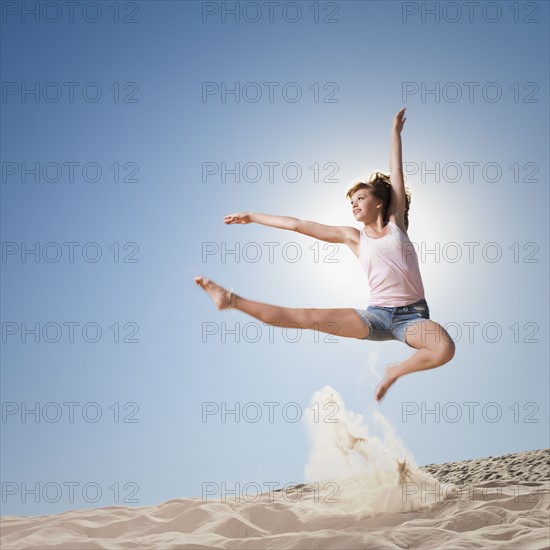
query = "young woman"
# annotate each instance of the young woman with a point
(397, 307)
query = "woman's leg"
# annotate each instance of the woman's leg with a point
(435, 348)
(338, 321)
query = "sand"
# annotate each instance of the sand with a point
(493, 502)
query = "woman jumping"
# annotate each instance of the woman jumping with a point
(397, 308)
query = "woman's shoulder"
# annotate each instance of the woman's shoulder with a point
(352, 233)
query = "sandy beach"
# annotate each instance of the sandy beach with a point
(491, 502)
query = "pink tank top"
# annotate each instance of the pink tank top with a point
(392, 268)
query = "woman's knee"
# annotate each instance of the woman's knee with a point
(445, 350)
(444, 345)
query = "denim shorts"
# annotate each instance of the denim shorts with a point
(390, 323)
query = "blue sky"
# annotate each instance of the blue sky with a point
(136, 109)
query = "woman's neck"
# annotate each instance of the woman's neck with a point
(377, 227)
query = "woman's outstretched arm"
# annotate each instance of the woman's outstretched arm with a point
(328, 233)
(397, 203)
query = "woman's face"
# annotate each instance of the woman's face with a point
(364, 206)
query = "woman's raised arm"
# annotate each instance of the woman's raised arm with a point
(398, 199)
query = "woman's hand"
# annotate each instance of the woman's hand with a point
(241, 217)
(399, 120)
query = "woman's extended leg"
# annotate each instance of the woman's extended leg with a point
(340, 321)
(435, 348)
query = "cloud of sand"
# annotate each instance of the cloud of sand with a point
(372, 475)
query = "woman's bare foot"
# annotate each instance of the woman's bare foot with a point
(222, 298)
(390, 376)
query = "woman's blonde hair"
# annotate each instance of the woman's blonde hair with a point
(379, 186)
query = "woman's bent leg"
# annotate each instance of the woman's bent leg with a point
(434, 348)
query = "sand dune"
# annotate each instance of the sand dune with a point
(493, 502)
